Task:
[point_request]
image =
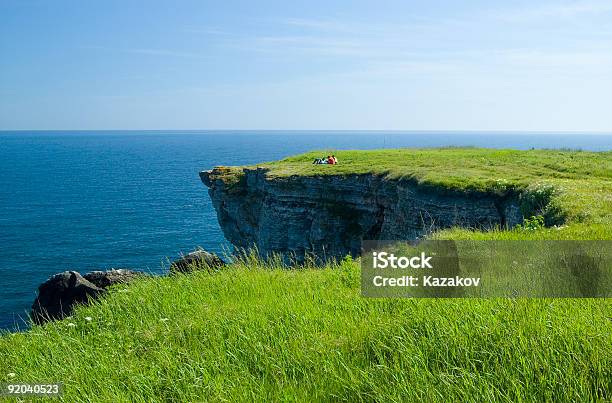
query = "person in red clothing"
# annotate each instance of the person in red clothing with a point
(330, 160)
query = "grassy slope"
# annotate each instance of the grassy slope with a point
(269, 334)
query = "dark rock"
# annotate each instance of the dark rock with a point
(329, 216)
(58, 295)
(196, 260)
(104, 279)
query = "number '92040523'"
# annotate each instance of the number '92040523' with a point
(42, 389)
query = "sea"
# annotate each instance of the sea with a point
(91, 200)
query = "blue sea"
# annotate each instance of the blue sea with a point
(95, 200)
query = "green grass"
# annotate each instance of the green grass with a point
(477, 169)
(269, 334)
(581, 181)
(265, 333)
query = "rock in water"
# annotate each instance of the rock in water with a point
(58, 295)
(196, 260)
(107, 278)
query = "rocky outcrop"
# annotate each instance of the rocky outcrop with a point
(330, 215)
(104, 279)
(197, 260)
(58, 295)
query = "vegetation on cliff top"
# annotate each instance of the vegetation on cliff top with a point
(576, 184)
(255, 332)
(477, 169)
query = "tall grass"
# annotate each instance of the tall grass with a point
(256, 331)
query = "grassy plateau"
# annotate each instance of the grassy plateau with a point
(578, 184)
(264, 331)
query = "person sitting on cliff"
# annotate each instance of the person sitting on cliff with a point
(319, 161)
(330, 160)
(335, 159)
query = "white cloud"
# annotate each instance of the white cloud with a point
(149, 51)
(559, 10)
(163, 52)
(318, 24)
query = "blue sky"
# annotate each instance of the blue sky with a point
(404, 65)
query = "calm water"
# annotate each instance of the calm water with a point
(96, 200)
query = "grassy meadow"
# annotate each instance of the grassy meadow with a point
(263, 331)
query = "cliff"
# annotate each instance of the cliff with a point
(330, 215)
(294, 206)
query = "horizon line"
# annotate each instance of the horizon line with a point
(347, 131)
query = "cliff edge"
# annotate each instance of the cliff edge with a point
(330, 215)
(293, 207)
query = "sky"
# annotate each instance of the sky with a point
(321, 64)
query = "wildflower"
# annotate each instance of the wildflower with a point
(88, 318)
(11, 374)
(163, 319)
(71, 324)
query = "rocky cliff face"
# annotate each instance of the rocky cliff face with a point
(331, 215)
